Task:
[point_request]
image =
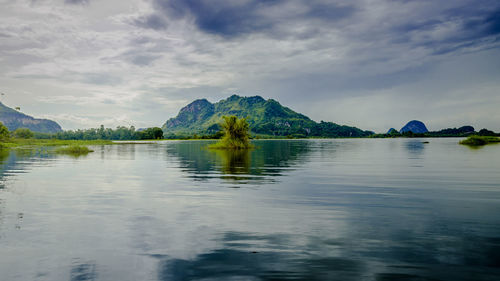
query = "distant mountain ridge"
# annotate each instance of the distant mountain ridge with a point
(14, 119)
(266, 117)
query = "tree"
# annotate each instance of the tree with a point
(153, 133)
(236, 134)
(23, 133)
(486, 132)
(4, 132)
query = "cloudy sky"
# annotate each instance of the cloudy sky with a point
(374, 64)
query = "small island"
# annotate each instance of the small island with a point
(74, 150)
(479, 140)
(236, 134)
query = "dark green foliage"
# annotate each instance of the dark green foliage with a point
(186, 136)
(14, 119)
(265, 118)
(453, 132)
(394, 133)
(23, 133)
(4, 132)
(236, 134)
(154, 133)
(120, 133)
(486, 132)
(480, 140)
(332, 130)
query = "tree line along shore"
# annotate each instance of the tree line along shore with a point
(104, 136)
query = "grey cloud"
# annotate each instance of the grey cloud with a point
(99, 78)
(136, 55)
(77, 2)
(235, 18)
(152, 21)
(144, 60)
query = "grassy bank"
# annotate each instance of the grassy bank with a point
(74, 150)
(14, 143)
(479, 140)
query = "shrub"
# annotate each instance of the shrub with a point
(236, 134)
(23, 133)
(74, 150)
(479, 140)
(4, 132)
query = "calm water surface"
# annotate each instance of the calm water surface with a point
(358, 209)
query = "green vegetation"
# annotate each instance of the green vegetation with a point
(74, 150)
(4, 133)
(154, 133)
(479, 140)
(23, 133)
(14, 143)
(234, 161)
(266, 119)
(236, 135)
(120, 133)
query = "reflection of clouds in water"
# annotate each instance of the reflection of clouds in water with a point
(83, 271)
(262, 164)
(260, 257)
(289, 257)
(331, 219)
(17, 161)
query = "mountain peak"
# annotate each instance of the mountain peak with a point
(266, 117)
(415, 126)
(192, 113)
(199, 102)
(14, 119)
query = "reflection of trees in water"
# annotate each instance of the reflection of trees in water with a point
(272, 156)
(193, 156)
(234, 161)
(19, 160)
(235, 165)
(269, 158)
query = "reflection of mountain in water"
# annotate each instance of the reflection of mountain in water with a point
(415, 149)
(269, 159)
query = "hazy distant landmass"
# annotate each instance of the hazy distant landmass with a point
(417, 128)
(414, 126)
(14, 119)
(266, 117)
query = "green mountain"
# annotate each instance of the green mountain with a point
(266, 117)
(14, 119)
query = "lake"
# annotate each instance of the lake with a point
(342, 209)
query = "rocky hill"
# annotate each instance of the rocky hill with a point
(266, 117)
(14, 119)
(415, 126)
